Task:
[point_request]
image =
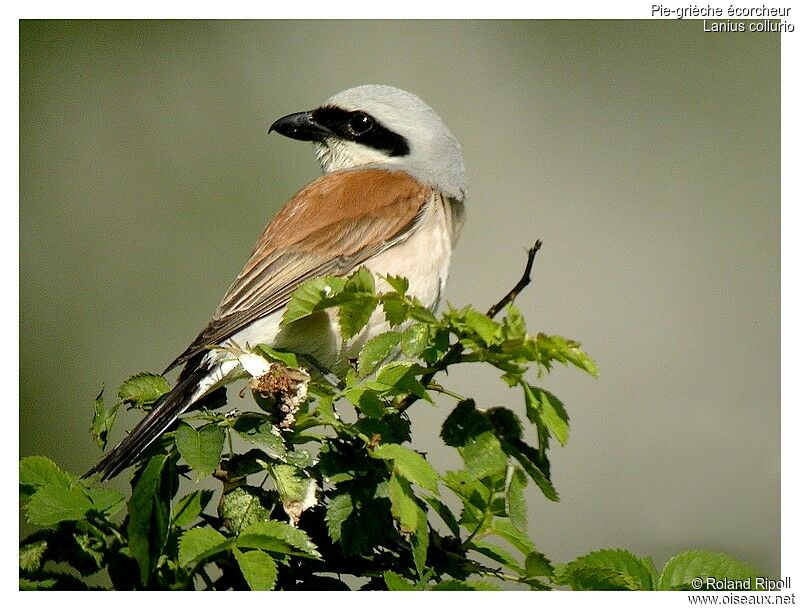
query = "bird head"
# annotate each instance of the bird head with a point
(381, 126)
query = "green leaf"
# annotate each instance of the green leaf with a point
(506, 530)
(36, 471)
(483, 326)
(201, 449)
(278, 537)
(30, 556)
(189, 507)
(498, 554)
(444, 512)
(395, 308)
(102, 420)
(259, 569)
(395, 582)
(51, 504)
(201, 543)
(541, 404)
(398, 284)
(515, 497)
(143, 389)
(340, 507)
(415, 339)
(419, 543)
(464, 585)
(679, 571)
(367, 401)
(356, 303)
(105, 500)
(376, 350)
(536, 564)
(404, 506)
(397, 378)
(314, 295)
(484, 456)
(296, 489)
(258, 429)
(607, 569)
(409, 464)
(287, 358)
(534, 472)
(245, 505)
(149, 513)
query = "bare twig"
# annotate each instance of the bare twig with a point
(451, 356)
(520, 286)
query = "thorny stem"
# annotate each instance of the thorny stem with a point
(452, 355)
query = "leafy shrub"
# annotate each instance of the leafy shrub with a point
(319, 501)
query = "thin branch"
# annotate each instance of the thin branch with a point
(520, 286)
(452, 355)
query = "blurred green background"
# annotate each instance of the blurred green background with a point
(644, 153)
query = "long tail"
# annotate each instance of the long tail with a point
(157, 421)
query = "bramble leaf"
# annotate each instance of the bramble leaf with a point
(259, 569)
(143, 389)
(201, 448)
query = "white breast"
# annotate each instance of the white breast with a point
(423, 257)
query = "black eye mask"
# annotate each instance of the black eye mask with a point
(363, 128)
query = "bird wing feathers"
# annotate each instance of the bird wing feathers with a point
(329, 228)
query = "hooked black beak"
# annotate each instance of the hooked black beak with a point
(301, 126)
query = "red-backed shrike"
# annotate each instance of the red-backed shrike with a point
(391, 199)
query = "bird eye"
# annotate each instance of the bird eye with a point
(360, 123)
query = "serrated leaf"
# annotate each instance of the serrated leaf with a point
(408, 463)
(201, 449)
(201, 543)
(189, 507)
(399, 284)
(279, 537)
(143, 389)
(102, 421)
(482, 325)
(534, 472)
(506, 530)
(36, 471)
(149, 512)
(607, 569)
(681, 569)
(51, 504)
(484, 456)
(414, 339)
(419, 543)
(296, 489)
(30, 556)
(243, 506)
(105, 500)
(367, 401)
(376, 350)
(314, 295)
(541, 404)
(536, 564)
(395, 308)
(287, 358)
(444, 512)
(515, 497)
(259, 569)
(395, 582)
(464, 585)
(356, 302)
(258, 429)
(397, 378)
(404, 506)
(340, 507)
(498, 554)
